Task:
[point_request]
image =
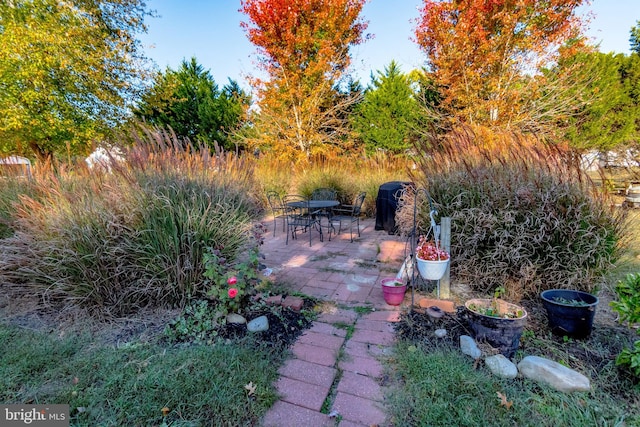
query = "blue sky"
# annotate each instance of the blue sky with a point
(210, 31)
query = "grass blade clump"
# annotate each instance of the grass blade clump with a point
(135, 237)
(524, 216)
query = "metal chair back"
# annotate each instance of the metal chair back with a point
(299, 217)
(324, 194)
(277, 209)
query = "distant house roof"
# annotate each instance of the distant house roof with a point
(15, 160)
(15, 166)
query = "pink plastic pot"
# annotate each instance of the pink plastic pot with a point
(393, 295)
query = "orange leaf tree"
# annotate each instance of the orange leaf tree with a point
(485, 55)
(303, 47)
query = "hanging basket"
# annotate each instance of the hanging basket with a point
(431, 270)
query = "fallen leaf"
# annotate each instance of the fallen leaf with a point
(251, 387)
(165, 411)
(503, 400)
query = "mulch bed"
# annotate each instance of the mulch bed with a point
(285, 326)
(594, 355)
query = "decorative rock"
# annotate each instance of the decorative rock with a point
(258, 324)
(440, 333)
(236, 319)
(469, 347)
(554, 374)
(501, 366)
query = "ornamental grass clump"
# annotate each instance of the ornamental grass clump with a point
(114, 242)
(523, 215)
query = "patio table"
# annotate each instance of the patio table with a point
(316, 207)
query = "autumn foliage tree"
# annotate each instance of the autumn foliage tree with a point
(485, 54)
(67, 71)
(303, 47)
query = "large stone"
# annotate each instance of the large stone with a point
(501, 366)
(554, 374)
(469, 347)
(258, 324)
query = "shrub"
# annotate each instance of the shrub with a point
(115, 242)
(628, 307)
(522, 215)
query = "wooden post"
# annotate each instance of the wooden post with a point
(445, 241)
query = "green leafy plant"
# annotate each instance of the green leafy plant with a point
(230, 286)
(628, 307)
(572, 302)
(496, 307)
(198, 323)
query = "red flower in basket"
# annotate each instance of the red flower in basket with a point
(430, 251)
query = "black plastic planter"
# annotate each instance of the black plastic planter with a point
(501, 333)
(570, 313)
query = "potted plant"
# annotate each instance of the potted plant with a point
(431, 259)
(496, 322)
(569, 312)
(393, 290)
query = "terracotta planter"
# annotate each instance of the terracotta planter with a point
(431, 270)
(393, 295)
(502, 333)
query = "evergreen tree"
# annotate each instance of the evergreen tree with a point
(189, 101)
(389, 113)
(610, 117)
(635, 38)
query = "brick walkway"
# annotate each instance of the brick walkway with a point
(336, 364)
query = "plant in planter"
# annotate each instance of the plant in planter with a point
(569, 312)
(431, 259)
(393, 291)
(497, 322)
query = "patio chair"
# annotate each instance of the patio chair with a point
(299, 217)
(278, 209)
(325, 194)
(350, 214)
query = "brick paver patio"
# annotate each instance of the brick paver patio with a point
(328, 368)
